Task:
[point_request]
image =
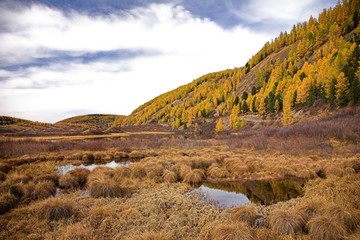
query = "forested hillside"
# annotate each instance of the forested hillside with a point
(317, 60)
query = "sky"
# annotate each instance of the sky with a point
(62, 58)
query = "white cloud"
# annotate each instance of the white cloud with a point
(188, 47)
(287, 11)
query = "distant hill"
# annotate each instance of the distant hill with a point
(5, 120)
(93, 120)
(317, 62)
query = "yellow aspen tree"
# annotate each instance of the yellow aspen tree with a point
(234, 118)
(219, 126)
(243, 122)
(287, 115)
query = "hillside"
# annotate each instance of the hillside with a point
(318, 61)
(93, 120)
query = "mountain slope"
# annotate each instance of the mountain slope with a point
(318, 59)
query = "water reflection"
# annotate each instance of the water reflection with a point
(263, 192)
(66, 168)
(233, 194)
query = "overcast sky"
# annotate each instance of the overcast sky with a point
(61, 58)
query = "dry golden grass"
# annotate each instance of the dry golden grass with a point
(344, 191)
(170, 177)
(341, 215)
(7, 202)
(76, 232)
(235, 231)
(286, 222)
(121, 172)
(68, 181)
(326, 228)
(41, 190)
(81, 174)
(243, 214)
(215, 171)
(194, 176)
(149, 236)
(102, 185)
(2, 176)
(311, 208)
(137, 170)
(54, 209)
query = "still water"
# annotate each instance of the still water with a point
(233, 194)
(66, 168)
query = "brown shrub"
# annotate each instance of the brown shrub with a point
(325, 228)
(81, 174)
(68, 181)
(7, 202)
(55, 209)
(170, 177)
(237, 231)
(137, 170)
(194, 176)
(101, 185)
(243, 214)
(286, 222)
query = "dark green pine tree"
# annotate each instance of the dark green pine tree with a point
(331, 98)
(312, 96)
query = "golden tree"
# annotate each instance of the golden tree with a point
(219, 126)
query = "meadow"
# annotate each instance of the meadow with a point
(149, 198)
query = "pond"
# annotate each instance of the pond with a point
(66, 168)
(233, 194)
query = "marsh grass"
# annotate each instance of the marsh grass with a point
(236, 231)
(243, 214)
(54, 209)
(326, 228)
(286, 222)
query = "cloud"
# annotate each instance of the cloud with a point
(54, 62)
(277, 15)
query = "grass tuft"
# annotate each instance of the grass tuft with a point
(102, 185)
(286, 222)
(54, 209)
(243, 214)
(326, 228)
(238, 231)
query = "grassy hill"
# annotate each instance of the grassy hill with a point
(93, 120)
(317, 61)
